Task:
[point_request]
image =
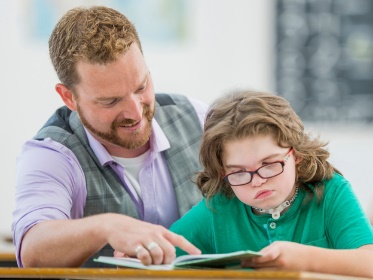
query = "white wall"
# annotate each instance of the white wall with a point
(351, 151)
(231, 46)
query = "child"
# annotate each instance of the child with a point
(370, 212)
(268, 187)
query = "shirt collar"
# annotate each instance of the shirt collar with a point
(158, 143)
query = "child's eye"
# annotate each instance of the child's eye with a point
(240, 174)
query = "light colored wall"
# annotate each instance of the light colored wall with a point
(230, 46)
(351, 151)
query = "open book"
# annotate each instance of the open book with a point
(231, 260)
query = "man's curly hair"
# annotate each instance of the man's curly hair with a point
(96, 34)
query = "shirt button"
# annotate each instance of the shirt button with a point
(272, 225)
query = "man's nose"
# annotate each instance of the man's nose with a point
(133, 108)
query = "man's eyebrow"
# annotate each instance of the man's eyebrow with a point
(106, 98)
(116, 97)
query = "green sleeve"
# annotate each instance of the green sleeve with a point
(196, 227)
(347, 224)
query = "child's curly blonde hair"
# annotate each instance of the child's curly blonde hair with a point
(251, 113)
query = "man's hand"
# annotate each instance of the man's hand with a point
(54, 243)
(152, 244)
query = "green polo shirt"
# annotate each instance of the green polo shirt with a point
(337, 222)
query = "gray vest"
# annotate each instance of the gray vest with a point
(105, 192)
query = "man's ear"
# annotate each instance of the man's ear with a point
(66, 96)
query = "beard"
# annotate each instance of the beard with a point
(134, 141)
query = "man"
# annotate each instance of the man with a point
(103, 174)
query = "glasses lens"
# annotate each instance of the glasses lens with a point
(239, 178)
(270, 170)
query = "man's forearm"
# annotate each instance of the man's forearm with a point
(61, 243)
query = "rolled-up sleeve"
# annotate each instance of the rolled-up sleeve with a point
(50, 185)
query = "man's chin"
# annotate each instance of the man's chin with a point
(133, 144)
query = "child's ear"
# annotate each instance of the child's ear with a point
(297, 159)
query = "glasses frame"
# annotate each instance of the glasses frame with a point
(252, 173)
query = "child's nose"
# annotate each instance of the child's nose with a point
(257, 180)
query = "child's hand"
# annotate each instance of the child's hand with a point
(280, 255)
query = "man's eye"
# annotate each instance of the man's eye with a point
(109, 102)
(140, 89)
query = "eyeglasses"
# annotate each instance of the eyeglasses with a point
(265, 172)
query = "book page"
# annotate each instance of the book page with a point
(133, 263)
(204, 260)
(215, 260)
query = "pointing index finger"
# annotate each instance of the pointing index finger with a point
(182, 243)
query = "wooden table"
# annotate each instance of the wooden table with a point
(7, 252)
(8, 259)
(135, 274)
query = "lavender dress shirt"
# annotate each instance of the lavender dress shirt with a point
(50, 183)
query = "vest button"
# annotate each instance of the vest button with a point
(272, 225)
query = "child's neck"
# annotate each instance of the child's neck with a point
(276, 212)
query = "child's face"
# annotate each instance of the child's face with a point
(250, 154)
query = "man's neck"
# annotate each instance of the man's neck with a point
(118, 151)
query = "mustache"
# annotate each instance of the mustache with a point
(147, 113)
(125, 122)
